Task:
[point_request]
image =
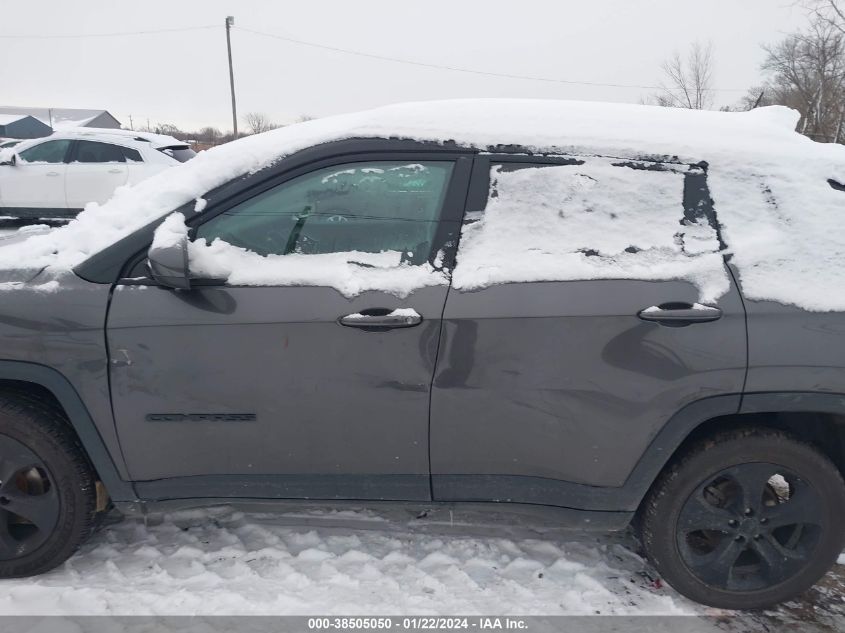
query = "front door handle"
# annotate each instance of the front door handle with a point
(52, 174)
(380, 319)
(680, 314)
(115, 171)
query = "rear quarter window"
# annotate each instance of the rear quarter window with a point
(182, 153)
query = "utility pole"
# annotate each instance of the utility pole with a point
(230, 22)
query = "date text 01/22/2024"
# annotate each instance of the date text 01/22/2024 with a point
(418, 623)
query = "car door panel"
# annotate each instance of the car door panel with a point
(261, 389)
(318, 397)
(37, 179)
(91, 177)
(33, 186)
(562, 381)
(546, 388)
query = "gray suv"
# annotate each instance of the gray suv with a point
(174, 370)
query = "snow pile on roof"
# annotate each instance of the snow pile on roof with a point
(741, 148)
(590, 221)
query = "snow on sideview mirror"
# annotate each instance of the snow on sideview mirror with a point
(167, 259)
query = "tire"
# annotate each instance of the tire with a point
(704, 511)
(47, 487)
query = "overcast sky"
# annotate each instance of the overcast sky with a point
(182, 77)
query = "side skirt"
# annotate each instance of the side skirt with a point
(502, 519)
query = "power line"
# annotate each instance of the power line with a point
(387, 58)
(85, 35)
(460, 69)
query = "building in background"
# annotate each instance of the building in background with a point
(22, 126)
(58, 118)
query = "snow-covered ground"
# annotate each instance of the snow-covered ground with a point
(352, 561)
(222, 561)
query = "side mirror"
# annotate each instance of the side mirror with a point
(168, 263)
(9, 158)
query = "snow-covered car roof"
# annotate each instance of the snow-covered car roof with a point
(124, 136)
(129, 138)
(780, 215)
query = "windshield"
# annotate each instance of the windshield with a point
(182, 153)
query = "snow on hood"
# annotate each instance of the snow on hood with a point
(763, 176)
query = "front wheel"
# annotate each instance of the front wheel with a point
(47, 493)
(745, 519)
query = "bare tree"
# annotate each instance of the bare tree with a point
(807, 73)
(688, 82)
(831, 12)
(209, 134)
(169, 129)
(258, 122)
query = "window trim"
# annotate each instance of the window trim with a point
(443, 194)
(445, 238)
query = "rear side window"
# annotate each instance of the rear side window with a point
(49, 152)
(182, 153)
(94, 152)
(593, 218)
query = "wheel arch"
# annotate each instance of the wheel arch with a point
(816, 417)
(28, 377)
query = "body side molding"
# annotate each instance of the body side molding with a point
(798, 401)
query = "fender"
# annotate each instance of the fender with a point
(685, 421)
(52, 380)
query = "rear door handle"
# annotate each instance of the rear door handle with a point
(115, 171)
(52, 173)
(379, 319)
(680, 314)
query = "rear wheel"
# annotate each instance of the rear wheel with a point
(47, 493)
(745, 520)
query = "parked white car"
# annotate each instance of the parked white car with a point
(58, 175)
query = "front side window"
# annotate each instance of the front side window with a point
(94, 152)
(358, 207)
(355, 227)
(49, 152)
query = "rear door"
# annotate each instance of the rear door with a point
(37, 179)
(293, 378)
(575, 328)
(95, 170)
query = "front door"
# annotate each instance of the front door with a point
(36, 180)
(296, 377)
